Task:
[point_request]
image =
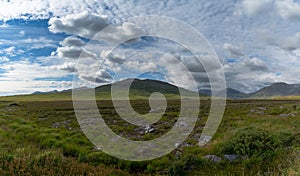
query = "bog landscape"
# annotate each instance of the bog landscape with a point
(149, 87)
(258, 136)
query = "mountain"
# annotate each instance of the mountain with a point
(49, 92)
(277, 89)
(231, 93)
(140, 88)
(234, 94)
(144, 87)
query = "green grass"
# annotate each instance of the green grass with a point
(43, 138)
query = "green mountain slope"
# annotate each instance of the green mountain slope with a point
(138, 89)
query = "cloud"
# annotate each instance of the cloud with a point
(4, 59)
(22, 33)
(30, 43)
(254, 64)
(67, 66)
(83, 24)
(233, 51)
(229, 33)
(74, 52)
(288, 9)
(11, 51)
(24, 70)
(93, 26)
(124, 32)
(100, 77)
(243, 75)
(72, 41)
(287, 43)
(20, 77)
(253, 7)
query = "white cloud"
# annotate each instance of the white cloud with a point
(30, 43)
(83, 24)
(216, 20)
(11, 51)
(288, 43)
(93, 26)
(72, 41)
(24, 70)
(74, 52)
(253, 7)
(4, 59)
(288, 9)
(119, 33)
(22, 33)
(234, 51)
(25, 77)
(27, 87)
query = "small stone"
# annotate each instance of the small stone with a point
(204, 139)
(252, 110)
(213, 158)
(260, 112)
(261, 108)
(148, 129)
(231, 157)
(177, 144)
(284, 115)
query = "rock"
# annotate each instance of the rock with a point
(156, 110)
(56, 125)
(231, 157)
(261, 108)
(213, 158)
(148, 129)
(177, 144)
(283, 115)
(204, 139)
(260, 112)
(252, 110)
(95, 148)
(13, 105)
(287, 115)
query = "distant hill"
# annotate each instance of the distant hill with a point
(138, 89)
(231, 93)
(144, 88)
(277, 89)
(49, 92)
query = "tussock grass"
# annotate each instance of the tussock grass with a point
(44, 138)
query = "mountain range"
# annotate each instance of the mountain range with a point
(279, 89)
(141, 88)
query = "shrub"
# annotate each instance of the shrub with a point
(101, 158)
(177, 169)
(72, 150)
(252, 142)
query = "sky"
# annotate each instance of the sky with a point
(41, 41)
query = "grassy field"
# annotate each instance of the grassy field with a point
(43, 138)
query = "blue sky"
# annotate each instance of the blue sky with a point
(257, 41)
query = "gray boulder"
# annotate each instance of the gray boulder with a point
(213, 158)
(231, 157)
